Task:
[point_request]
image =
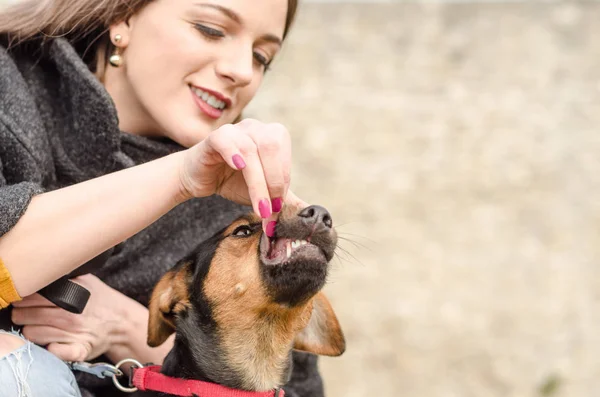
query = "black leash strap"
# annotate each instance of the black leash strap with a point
(66, 294)
(71, 296)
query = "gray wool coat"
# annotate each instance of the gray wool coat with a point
(58, 126)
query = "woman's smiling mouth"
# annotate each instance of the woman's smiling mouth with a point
(212, 104)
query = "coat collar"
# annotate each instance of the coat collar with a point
(90, 132)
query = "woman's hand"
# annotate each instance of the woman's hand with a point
(248, 163)
(70, 336)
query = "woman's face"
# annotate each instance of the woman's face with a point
(190, 66)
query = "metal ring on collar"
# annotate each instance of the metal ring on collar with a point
(116, 382)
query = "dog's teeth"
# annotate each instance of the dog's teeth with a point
(288, 249)
(298, 243)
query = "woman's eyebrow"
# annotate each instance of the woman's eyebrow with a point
(271, 38)
(230, 13)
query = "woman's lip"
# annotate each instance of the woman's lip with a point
(216, 94)
(205, 107)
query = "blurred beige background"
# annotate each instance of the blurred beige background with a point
(457, 145)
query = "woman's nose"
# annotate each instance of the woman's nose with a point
(238, 68)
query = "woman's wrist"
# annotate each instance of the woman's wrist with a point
(128, 339)
(177, 182)
(130, 318)
(184, 191)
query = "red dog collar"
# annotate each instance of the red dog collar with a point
(150, 379)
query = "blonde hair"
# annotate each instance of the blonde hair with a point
(84, 23)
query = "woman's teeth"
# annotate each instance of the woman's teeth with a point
(208, 98)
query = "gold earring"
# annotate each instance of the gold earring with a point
(115, 59)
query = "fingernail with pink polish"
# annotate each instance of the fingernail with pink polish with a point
(276, 204)
(238, 161)
(271, 228)
(264, 208)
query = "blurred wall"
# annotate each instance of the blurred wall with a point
(457, 147)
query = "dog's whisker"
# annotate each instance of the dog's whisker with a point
(345, 224)
(353, 242)
(345, 251)
(357, 235)
(342, 260)
(356, 244)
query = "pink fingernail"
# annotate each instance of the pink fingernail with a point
(276, 204)
(271, 228)
(264, 208)
(238, 161)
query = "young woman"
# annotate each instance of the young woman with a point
(119, 133)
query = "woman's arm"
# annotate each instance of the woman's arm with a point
(67, 227)
(248, 163)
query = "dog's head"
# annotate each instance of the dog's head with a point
(243, 301)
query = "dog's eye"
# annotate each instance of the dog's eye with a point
(244, 230)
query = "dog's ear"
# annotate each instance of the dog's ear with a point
(323, 334)
(169, 298)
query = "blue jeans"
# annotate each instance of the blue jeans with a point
(32, 371)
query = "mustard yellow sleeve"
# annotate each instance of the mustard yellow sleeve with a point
(8, 293)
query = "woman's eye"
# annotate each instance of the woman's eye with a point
(209, 32)
(261, 60)
(243, 230)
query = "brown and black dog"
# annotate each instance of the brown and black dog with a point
(242, 302)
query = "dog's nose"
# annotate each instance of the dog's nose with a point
(315, 214)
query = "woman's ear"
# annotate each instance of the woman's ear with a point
(323, 334)
(120, 34)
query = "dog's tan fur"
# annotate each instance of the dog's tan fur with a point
(257, 334)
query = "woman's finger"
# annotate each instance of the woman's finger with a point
(224, 143)
(274, 151)
(292, 200)
(87, 280)
(255, 177)
(69, 351)
(52, 316)
(232, 143)
(43, 334)
(34, 300)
